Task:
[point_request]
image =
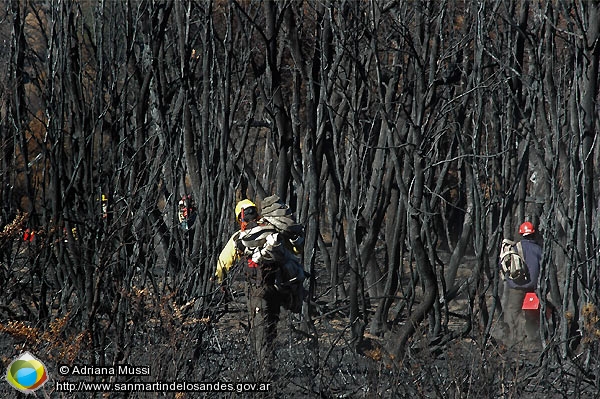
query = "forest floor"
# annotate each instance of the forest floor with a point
(323, 362)
(319, 359)
(328, 367)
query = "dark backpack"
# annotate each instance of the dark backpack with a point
(513, 263)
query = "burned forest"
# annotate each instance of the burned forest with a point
(409, 138)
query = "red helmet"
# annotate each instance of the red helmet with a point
(526, 228)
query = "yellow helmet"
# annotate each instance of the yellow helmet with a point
(243, 204)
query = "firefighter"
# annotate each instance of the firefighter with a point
(520, 302)
(264, 300)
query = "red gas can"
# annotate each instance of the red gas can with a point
(531, 301)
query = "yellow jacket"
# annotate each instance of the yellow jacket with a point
(229, 255)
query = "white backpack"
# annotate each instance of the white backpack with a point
(512, 262)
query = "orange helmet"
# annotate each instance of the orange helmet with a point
(526, 229)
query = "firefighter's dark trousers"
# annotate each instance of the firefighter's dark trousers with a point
(521, 325)
(264, 305)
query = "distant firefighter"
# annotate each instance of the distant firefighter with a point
(186, 212)
(520, 267)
